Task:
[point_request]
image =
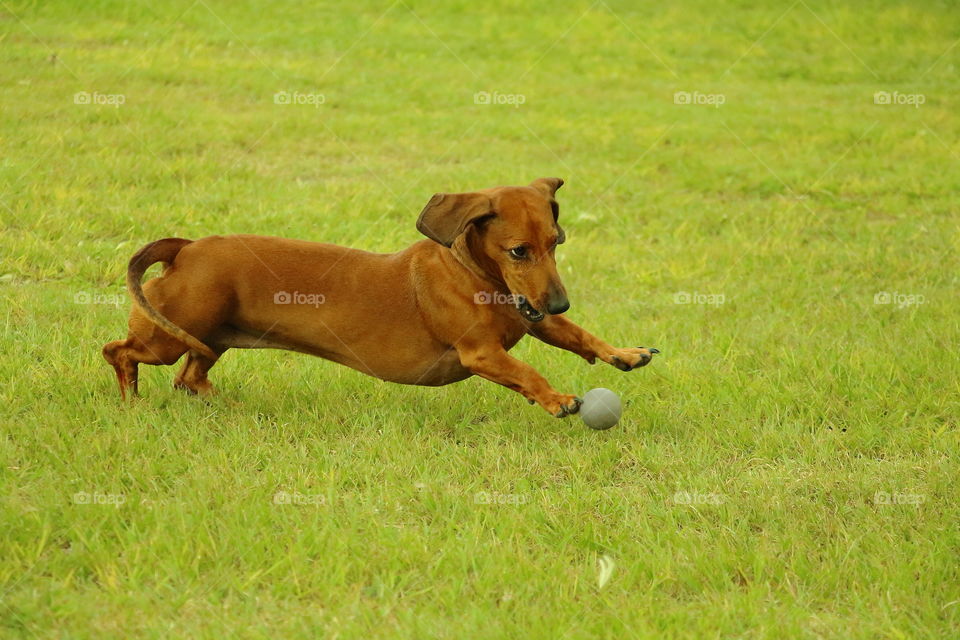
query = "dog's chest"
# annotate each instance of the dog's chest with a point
(444, 369)
(509, 327)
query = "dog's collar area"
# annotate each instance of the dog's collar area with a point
(528, 311)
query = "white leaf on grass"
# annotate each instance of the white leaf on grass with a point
(607, 566)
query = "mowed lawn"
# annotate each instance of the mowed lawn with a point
(769, 195)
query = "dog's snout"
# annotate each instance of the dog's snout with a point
(557, 301)
(556, 307)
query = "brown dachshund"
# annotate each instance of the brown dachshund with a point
(437, 312)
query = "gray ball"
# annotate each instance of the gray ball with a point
(600, 409)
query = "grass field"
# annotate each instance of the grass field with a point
(767, 194)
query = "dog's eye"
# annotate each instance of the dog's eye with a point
(518, 252)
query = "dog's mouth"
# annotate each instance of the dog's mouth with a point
(527, 310)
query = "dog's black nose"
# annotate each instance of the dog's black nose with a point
(556, 308)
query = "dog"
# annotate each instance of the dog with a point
(444, 309)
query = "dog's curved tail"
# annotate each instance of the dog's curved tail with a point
(160, 251)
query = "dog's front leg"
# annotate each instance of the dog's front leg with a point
(560, 332)
(494, 363)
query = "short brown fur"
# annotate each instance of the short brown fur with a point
(434, 313)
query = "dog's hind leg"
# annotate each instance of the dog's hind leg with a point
(116, 353)
(192, 377)
(126, 355)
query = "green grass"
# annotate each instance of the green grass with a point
(784, 415)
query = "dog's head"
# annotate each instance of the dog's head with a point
(509, 232)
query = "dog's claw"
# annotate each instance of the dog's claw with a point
(567, 410)
(623, 365)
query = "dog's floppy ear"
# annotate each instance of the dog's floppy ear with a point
(447, 215)
(549, 186)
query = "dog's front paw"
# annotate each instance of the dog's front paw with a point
(562, 405)
(631, 358)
